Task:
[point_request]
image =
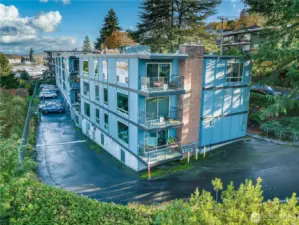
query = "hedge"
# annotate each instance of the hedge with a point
(25, 201)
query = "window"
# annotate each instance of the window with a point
(96, 63)
(74, 65)
(106, 121)
(234, 71)
(105, 70)
(86, 109)
(62, 62)
(85, 68)
(123, 156)
(86, 89)
(158, 70)
(123, 132)
(122, 103)
(122, 71)
(97, 92)
(106, 96)
(97, 116)
(102, 139)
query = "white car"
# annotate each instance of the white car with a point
(47, 94)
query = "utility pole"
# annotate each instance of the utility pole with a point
(222, 18)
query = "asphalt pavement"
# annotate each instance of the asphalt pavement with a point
(67, 160)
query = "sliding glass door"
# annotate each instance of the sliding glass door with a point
(155, 139)
(158, 70)
(157, 107)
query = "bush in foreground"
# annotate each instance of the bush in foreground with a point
(25, 201)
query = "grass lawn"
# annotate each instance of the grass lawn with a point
(166, 169)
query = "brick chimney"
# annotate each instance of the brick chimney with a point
(190, 102)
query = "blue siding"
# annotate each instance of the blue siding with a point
(217, 125)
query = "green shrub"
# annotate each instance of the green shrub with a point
(25, 201)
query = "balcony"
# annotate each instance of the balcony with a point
(155, 86)
(160, 120)
(160, 154)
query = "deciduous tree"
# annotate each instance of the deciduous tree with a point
(117, 39)
(5, 68)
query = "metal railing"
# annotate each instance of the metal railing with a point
(159, 153)
(162, 83)
(21, 151)
(281, 134)
(150, 120)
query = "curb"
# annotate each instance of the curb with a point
(278, 142)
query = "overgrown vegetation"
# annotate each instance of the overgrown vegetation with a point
(164, 170)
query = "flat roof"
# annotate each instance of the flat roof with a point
(224, 57)
(124, 55)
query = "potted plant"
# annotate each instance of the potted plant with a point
(171, 141)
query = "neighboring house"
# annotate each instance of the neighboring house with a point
(246, 39)
(13, 59)
(147, 108)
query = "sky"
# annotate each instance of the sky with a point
(63, 24)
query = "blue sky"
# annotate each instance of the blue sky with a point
(66, 22)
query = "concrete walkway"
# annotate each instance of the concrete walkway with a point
(67, 161)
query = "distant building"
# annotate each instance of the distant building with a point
(245, 39)
(13, 59)
(147, 108)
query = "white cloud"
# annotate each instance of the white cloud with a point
(234, 0)
(19, 34)
(63, 1)
(47, 21)
(8, 12)
(234, 5)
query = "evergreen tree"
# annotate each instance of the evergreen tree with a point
(31, 55)
(110, 25)
(279, 47)
(86, 45)
(167, 24)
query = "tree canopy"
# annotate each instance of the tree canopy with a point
(164, 25)
(5, 68)
(110, 25)
(245, 21)
(117, 39)
(279, 47)
(86, 45)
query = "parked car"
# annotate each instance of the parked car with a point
(55, 90)
(47, 94)
(264, 89)
(43, 104)
(53, 108)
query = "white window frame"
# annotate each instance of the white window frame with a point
(233, 79)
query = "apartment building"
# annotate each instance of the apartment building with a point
(149, 108)
(247, 39)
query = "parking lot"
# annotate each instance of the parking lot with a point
(67, 160)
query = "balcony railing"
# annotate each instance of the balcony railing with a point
(153, 155)
(172, 83)
(156, 120)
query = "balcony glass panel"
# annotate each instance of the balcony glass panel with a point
(152, 84)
